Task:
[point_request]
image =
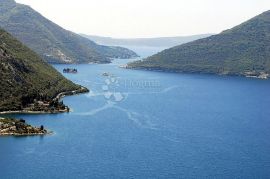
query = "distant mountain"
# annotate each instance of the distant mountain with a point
(242, 50)
(24, 76)
(149, 42)
(50, 41)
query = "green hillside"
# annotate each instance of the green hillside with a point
(24, 76)
(242, 50)
(50, 41)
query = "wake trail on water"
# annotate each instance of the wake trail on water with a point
(98, 110)
(140, 120)
(94, 94)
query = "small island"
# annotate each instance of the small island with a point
(14, 127)
(70, 70)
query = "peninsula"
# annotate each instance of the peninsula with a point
(19, 128)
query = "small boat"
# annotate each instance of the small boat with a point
(105, 74)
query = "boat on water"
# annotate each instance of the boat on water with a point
(105, 74)
(70, 70)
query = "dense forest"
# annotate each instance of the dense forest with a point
(25, 77)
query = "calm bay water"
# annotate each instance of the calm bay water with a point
(141, 124)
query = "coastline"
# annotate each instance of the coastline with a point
(58, 97)
(262, 76)
(24, 135)
(70, 93)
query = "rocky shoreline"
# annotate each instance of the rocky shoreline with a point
(14, 127)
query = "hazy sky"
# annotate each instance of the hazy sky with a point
(148, 18)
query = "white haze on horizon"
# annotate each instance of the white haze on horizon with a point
(148, 18)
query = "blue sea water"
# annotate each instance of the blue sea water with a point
(142, 124)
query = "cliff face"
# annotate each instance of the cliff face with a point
(242, 50)
(53, 43)
(25, 77)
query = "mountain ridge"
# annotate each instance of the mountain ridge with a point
(53, 43)
(243, 50)
(152, 42)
